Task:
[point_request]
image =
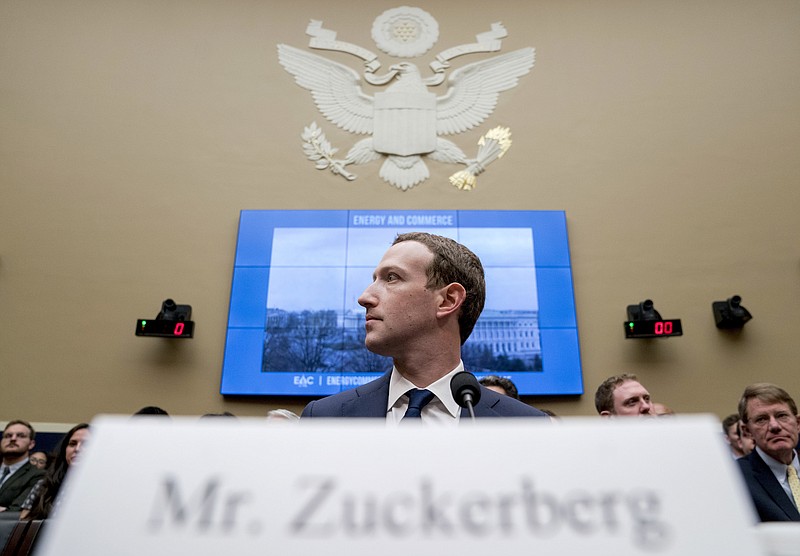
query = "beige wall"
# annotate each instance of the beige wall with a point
(132, 133)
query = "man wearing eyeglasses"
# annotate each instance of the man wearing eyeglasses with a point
(17, 474)
(769, 416)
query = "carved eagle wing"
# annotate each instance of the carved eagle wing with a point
(335, 87)
(474, 89)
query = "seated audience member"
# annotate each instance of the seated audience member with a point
(732, 433)
(661, 410)
(215, 415)
(38, 459)
(748, 445)
(501, 385)
(769, 414)
(622, 395)
(282, 415)
(43, 499)
(152, 410)
(17, 473)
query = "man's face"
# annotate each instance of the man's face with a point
(16, 441)
(774, 428)
(400, 308)
(631, 398)
(732, 436)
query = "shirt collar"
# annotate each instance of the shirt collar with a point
(778, 469)
(399, 385)
(14, 467)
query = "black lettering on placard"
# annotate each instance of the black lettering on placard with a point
(649, 530)
(304, 521)
(434, 510)
(398, 513)
(359, 519)
(204, 509)
(475, 513)
(328, 510)
(541, 510)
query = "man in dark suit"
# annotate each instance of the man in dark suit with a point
(426, 295)
(17, 474)
(769, 416)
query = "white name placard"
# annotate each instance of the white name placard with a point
(346, 487)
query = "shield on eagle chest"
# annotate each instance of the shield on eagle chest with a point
(405, 123)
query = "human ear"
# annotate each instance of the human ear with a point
(452, 297)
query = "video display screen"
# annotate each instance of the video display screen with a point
(295, 326)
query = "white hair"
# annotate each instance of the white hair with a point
(282, 414)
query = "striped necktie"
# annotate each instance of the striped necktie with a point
(4, 476)
(794, 484)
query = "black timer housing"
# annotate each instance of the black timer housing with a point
(173, 321)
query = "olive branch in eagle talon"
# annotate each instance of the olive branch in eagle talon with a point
(491, 146)
(319, 150)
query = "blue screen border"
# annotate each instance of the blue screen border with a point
(242, 364)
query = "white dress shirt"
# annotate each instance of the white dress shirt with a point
(779, 470)
(441, 410)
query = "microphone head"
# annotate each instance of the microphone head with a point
(465, 387)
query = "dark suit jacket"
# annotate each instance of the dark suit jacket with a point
(769, 498)
(371, 399)
(17, 486)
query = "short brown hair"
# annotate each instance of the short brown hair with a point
(505, 383)
(452, 262)
(729, 421)
(24, 424)
(604, 397)
(767, 393)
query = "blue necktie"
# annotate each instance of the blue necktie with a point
(417, 399)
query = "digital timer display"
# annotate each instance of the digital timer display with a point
(653, 328)
(165, 328)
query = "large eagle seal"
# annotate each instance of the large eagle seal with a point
(406, 121)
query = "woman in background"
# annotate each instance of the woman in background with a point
(39, 459)
(44, 495)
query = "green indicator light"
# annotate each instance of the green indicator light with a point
(630, 325)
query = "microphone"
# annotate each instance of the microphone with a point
(466, 390)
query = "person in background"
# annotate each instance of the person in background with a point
(39, 459)
(43, 498)
(770, 471)
(426, 295)
(501, 385)
(282, 415)
(216, 415)
(739, 445)
(622, 395)
(152, 410)
(17, 473)
(748, 445)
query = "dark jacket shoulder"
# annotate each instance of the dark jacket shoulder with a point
(17, 486)
(769, 499)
